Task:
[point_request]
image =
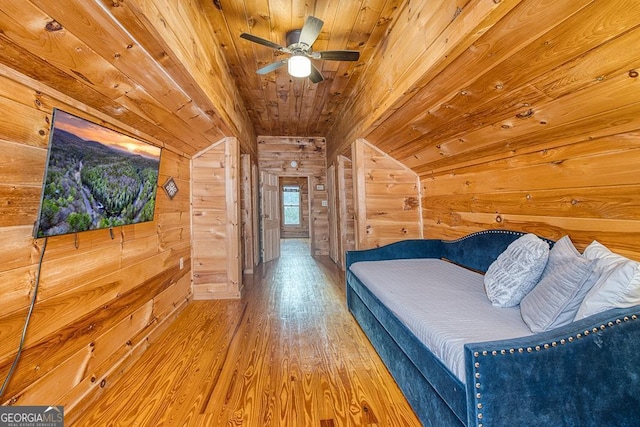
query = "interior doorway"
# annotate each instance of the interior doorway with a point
(285, 213)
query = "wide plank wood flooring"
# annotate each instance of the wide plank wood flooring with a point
(287, 354)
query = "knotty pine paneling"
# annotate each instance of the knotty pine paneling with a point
(216, 222)
(275, 155)
(386, 198)
(100, 299)
(154, 66)
(441, 31)
(277, 103)
(530, 123)
(588, 190)
(185, 29)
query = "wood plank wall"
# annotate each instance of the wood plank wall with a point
(553, 148)
(586, 189)
(153, 65)
(275, 155)
(437, 31)
(216, 249)
(515, 114)
(99, 304)
(187, 32)
(301, 230)
(387, 198)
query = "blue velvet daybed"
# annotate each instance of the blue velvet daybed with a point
(586, 373)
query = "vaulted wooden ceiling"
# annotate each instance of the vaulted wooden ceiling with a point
(439, 83)
(179, 71)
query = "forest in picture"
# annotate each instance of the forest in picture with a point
(95, 178)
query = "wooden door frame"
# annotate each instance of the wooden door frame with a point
(332, 216)
(255, 185)
(345, 223)
(310, 185)
(249, 233)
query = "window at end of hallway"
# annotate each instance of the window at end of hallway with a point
(291, 204)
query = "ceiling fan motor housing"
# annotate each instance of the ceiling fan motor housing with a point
(293, 38)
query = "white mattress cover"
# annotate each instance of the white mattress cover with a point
(444, 305)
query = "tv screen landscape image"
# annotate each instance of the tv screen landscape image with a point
(95, 178)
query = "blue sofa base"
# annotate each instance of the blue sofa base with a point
(586, 373)
(426, 402)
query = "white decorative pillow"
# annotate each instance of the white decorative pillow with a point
(554, 301)
(618, 284)
(516, 271)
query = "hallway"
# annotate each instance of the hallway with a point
(287, 354)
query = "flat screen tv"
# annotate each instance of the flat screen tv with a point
(95, 178)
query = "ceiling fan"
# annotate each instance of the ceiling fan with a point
(299, 44)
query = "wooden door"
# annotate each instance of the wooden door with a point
(270, 216)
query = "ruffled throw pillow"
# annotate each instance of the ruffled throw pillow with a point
(516, 271)
(566, 279)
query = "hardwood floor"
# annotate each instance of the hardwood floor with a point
(287, 354)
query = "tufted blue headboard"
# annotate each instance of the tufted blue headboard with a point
(475, 251)
(478, 250)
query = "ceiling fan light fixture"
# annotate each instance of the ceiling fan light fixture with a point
(299, 46)
(299, 66)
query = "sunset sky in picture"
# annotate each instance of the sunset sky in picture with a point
(93, 132)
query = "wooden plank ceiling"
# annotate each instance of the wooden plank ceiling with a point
(439, 83)
(278, 104)
(179, 72)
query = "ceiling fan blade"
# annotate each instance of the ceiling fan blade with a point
(338, 55)
(263, 42)
(316, 75)
(310, 30)
(272, 67)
